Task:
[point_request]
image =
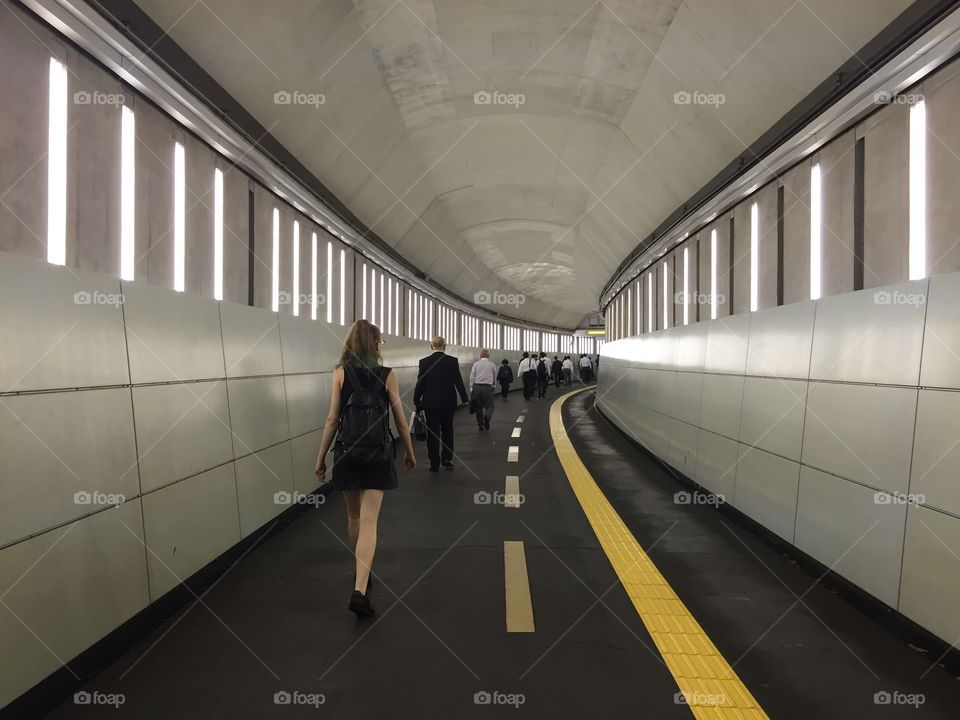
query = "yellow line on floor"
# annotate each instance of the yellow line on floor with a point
(511, 492)
(517, 588)
(709, 684)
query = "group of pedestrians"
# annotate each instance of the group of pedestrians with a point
(357, 429)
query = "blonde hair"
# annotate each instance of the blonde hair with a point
(360, 346)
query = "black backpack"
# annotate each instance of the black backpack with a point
(364, 435)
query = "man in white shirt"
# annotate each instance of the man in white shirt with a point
(483, 375)
(528, 374)
(567, 369)
(586, 369)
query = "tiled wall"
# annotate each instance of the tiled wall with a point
(834, 423)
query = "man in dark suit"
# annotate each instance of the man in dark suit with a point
(438, 384)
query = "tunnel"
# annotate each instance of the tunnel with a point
(475, 359)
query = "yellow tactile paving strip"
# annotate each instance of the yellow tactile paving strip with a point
(708, 683)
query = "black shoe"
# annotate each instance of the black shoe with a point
(447, 464)
(360, 604)
(434, 468)
(486, 424)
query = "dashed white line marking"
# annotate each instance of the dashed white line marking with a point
(511, 492)
(520, 419)
(516, 432)
(513, 454)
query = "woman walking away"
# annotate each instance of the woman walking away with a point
(364, 393)
(505, 377)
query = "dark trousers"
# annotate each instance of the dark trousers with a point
(439, 431)
(504, 388)
(556, 379)
(483, 395)
(542, 382)
(529, 384)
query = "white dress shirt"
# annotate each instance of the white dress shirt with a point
(526, 365)
(483, 372)
(568, 364)
(585, 361)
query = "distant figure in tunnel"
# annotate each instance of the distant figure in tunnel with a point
(556, 371)
(505, 377)
(438, 384)
(483, 376)
(364, 394)
(586, 369)
(567, 369)
(543, 376)
(528, 374)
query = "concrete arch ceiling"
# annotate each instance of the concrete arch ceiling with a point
(543, 197)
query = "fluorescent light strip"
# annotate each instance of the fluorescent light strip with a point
(754, 256)
(918, 191)
(396, 309)
(364, 288)
(128, 144)
(275, 291)
(686, 285)
(329, 298)
(713, 274)
(343, 287)
(179, 215)
(57, 165)
(296, 269)
(649, 302)
(382, 303)
(666, 297)
(816, 206)
(390, 305)
(373, 295)
(313, 276)
(217, 234)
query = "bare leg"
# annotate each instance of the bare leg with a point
(367, 539)
(352, 498)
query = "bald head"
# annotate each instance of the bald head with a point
(438, 343)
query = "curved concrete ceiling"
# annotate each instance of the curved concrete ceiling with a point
(520, 147)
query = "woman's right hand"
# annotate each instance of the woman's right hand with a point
(409, 460)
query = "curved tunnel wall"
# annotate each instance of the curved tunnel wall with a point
(833, 423)
(190, 414)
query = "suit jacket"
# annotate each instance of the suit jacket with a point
(439, 382)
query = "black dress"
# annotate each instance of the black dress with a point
(380, 475)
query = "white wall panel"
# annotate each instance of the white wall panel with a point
(308, 401)
(717, 464)
(861, 432)
(304, 450)
(842, 525)
(258, 413)
(683, 447)
(930, 591)
(251, 340)
(54, 445)
(721, 403)
(182, 429)
(71, 586)
(872, 336)
(188, 524)
(780, 341)
(941, 338)
(772, 416)
(259, 478)
(936, 450)
(61, 328)
(767, 490)
(170, 335)
(687, 391)
(727, 339)
(309, 345)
